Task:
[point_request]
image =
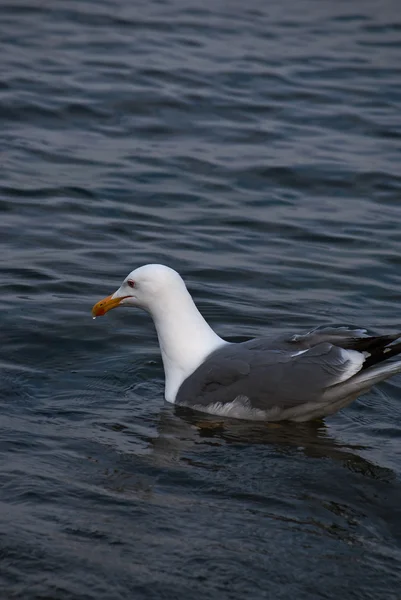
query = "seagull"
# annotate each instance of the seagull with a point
(287, 378)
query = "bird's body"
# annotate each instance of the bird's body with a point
(295, 377)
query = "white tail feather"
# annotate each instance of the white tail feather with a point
(363, 381)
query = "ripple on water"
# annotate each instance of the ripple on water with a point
(255, 149)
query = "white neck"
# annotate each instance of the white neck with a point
(185, 338)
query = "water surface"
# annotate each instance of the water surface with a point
(255, 148)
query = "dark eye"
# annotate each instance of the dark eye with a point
(131, 283)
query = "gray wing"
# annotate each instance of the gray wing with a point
(268, 378)
(280, 373)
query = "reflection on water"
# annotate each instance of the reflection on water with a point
(179, 428)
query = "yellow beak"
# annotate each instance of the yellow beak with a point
(103, 306)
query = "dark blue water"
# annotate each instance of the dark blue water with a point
(255, 147)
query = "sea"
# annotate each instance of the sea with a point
(255, 147)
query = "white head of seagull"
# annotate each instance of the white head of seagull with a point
(185, 338)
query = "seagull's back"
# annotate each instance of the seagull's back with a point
(289, 378)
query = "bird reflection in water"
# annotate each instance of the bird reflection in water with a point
(179, 428)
